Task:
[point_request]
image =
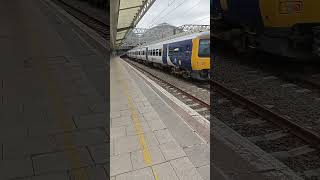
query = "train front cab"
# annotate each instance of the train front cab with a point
(200, 58)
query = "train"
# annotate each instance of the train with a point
(289, 28)
(187, 55)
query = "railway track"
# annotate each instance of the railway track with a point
(299, 131)
(307, 82)
(191, 99)
(287, 141)
(100, 27)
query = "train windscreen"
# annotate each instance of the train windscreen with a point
(204, 48)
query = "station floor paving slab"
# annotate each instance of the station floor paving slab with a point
(146, 144)
(53, 98)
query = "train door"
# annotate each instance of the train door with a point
(165, 53)
(169, 55)
(146, 53)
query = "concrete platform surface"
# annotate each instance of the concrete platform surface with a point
(53, 107)
(149, 140)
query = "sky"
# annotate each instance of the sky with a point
(177, 13)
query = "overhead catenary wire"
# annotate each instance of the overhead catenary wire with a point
(155, 22)
(200, 19)
(189, 10)
(165, 8)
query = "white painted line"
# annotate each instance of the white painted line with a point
(192, 105)
(201, 109)
(56, 15)
(84, 41)
(60, 19)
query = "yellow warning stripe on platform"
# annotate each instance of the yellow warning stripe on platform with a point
(139, 131)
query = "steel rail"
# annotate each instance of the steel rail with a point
(177, 88)
(307, 135)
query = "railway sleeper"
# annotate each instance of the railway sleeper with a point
(312, 173)
(293, 152)
(269, 137)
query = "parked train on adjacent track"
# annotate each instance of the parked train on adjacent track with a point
(187, 55)
(288, 28)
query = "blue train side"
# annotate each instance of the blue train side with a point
(186, 55)
(285, 27)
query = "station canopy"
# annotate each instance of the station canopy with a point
(130, 13)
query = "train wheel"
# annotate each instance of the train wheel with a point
(186, 75)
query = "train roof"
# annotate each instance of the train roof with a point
(205, 34)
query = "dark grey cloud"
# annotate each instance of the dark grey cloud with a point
(177, 13)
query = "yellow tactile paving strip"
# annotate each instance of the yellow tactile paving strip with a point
(135, 118)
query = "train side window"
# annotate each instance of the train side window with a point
(153, 52)
(157, 52)
(160, 52)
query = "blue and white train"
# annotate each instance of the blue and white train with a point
(188, 55)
